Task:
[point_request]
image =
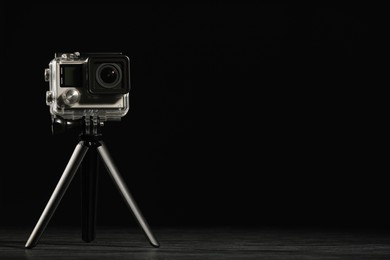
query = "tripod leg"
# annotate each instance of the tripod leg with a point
(58, 193)
(121, 185)
(89, 178)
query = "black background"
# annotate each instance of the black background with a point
(252, 115)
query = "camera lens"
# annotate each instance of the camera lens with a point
(108, 75)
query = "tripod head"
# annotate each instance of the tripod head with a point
(85, 125)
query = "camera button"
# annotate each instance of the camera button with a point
(71, 97)
(47, 75)
(49, 97)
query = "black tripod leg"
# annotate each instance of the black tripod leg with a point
(58, 193)
(89, 176)
(121, 185)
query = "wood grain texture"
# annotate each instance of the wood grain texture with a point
(190, 243)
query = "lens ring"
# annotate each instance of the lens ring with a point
(108, 75)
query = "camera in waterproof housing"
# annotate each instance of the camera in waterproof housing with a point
(88, 85)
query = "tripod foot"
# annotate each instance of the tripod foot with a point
(29, 246)
(156, 245)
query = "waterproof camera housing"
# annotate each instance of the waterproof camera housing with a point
(88, 85)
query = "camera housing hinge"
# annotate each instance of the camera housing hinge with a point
(92, 125)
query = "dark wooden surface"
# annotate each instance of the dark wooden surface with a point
(191, 243)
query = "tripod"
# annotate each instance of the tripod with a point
(86, 154)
